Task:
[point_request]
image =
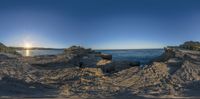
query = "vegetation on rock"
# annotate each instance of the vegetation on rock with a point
(5, 49)
(191, 45)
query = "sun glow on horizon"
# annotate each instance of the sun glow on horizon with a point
(27, 45)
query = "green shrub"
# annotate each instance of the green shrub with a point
(191, 45)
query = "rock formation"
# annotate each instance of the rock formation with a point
(191, 45)
(105, 56)
(8, 50)
(84, 73)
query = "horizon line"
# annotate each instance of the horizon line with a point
(85, 47)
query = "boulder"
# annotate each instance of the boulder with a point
(105, 56)
(103, 62)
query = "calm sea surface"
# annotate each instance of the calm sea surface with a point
(39, 52)
(142, 55)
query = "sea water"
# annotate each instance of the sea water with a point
(142, 55)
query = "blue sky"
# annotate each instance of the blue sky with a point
(99, 24)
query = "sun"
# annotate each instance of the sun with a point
(27, 45)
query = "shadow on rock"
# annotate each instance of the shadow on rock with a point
(126, 95)
(13, 87)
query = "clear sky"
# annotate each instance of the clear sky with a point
(99, 24)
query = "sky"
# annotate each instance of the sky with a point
(99, 24)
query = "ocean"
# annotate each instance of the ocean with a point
(142, 55)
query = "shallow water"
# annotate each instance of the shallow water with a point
(142, 55)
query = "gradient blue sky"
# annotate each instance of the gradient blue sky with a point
(100, 24)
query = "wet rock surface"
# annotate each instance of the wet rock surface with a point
(105, 56)
(82, 73)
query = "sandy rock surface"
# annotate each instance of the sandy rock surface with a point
(80, 73)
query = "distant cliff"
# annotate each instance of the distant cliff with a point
(5, 49)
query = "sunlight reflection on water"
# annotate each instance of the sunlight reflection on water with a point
(27, 53)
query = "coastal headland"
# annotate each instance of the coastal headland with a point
(83, 73)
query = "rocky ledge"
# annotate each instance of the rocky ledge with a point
(8, 50)
(84, 73)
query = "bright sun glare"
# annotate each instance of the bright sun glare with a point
(27, 45)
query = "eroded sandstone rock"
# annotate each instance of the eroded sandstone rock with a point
(60, 75)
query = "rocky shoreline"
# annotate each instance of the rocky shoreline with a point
(84, 73)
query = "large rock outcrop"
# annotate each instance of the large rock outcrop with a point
(184, 69)
(80, 56)
(8, 50)
(81, 73)
(191, 45)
